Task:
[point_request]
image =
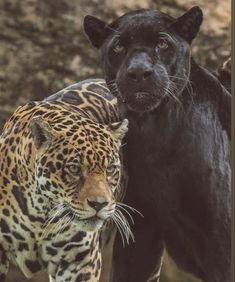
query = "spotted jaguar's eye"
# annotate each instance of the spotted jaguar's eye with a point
(74, 169)
(118, 48)
(162, 43)
(111, 169)
(113, 176)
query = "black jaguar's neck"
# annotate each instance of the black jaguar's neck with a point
(205, 85)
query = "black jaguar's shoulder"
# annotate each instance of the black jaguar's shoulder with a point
(211, 89)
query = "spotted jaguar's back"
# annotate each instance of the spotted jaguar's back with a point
(59, 178)
(90, 98)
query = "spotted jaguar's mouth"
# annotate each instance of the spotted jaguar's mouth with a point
(92, 218)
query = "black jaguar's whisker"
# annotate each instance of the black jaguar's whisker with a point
(180, 78)
(167, 35)
(170, 91)
(116, 31)
(174, 98)
(190, 91)
(187, 83)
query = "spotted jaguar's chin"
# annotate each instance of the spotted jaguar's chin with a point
(93, 223)
(141, 102)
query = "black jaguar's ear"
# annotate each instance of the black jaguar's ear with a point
(41, 132)
(96, 30)
(187, 26)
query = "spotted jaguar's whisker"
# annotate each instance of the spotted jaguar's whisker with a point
(119, 228)
(52, 217)
(131, 208)
(123, 226)
(126, 225)
(124, 144)
(130, 216)
(56, 205)
(46, 225)
(65, 223)
(56, 226)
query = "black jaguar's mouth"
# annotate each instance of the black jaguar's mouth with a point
(142, 102)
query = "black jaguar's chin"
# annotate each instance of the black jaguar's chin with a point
(142, 102)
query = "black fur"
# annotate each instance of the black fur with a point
(178, 144)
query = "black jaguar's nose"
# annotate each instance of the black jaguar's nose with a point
(97, 204)
(139, 67)
(138, 73)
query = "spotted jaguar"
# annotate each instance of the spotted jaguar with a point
(60, 182)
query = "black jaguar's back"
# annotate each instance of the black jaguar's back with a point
(178, 144)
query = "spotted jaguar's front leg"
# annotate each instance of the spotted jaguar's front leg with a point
(4, 265)
(88, 269)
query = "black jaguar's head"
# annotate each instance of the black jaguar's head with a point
(145, 54)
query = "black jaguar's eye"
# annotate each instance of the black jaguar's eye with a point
(118, 48)
(162, 43)
(74, 169)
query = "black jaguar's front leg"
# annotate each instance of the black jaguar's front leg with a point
(4, 265)
(136, 262)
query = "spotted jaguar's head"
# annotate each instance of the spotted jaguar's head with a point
(145, 55)
(78, 168)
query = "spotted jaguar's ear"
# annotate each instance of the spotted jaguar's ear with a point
(119, 129)
(96, 30)
(41, 132)
(187, 26)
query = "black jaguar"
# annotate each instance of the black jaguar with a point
(178, 145)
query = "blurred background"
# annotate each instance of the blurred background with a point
(43, 49)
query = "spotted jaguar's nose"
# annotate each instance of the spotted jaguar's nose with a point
(97, 204)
